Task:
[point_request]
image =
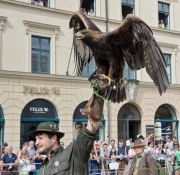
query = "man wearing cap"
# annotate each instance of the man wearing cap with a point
(142, 164)
(73, 159)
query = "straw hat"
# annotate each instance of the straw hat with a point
(138, 143)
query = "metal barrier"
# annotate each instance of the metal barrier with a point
(161, 171)
(20, 169)
(106, 166)
(105, 169)
(102, 170)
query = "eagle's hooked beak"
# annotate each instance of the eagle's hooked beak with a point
(79, 35)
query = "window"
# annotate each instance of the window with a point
(1, 127)
(89, 69)
(127, 7)
(163, 9)
(129, 122)
(43, 3)
(40, 54)
(87, 7)
(167, 58)
(128, 73)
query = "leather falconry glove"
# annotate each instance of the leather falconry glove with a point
(94, 106)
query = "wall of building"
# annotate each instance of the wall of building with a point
(61, 35)
(17, 90)
(21, 20)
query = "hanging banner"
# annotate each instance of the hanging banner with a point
(158, 133)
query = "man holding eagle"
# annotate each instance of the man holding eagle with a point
(132, 42)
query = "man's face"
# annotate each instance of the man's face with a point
(31, 144)
(9, 150)
(25, 147)
(105, 146)
(138, 150)
(121, 144)
(44, 144)
(112, 142)
(78, 128)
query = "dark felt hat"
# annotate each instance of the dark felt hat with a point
(50, 127)
(138, 143)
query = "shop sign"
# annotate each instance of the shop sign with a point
(42, 90)
(39, 108)
(158, 133)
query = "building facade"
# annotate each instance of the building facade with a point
(36, 70)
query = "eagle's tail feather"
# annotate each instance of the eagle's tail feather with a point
(116, 92)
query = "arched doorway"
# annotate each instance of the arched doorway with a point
(78, 117)
(1, 127)
(166, 123)
(36, 111)
(129, 122)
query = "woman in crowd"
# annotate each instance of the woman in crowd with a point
(113, 164)
(24, 163)
(24, 148)
(94, 164)
(149, 149)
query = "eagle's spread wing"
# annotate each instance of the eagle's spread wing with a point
(140, 49)
(82, 52)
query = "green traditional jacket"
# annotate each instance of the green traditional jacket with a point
(72, 160)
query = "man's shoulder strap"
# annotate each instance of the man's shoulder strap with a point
(146, 157)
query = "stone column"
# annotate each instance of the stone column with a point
(2, 24)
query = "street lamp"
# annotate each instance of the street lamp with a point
(131, 89)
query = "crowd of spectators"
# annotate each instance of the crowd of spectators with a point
(26, 161)
(87, 12)
(38, 2)
(116, 156)
(109, 158)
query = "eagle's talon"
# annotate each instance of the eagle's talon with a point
(107, 78)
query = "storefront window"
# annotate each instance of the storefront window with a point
(36, 111)
(78, 117)
(166, 124)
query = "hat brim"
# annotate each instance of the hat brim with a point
(139, 145)
(59, 134)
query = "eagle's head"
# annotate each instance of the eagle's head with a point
(88, 35)
(81, 34)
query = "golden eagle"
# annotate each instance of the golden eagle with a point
(132, 42)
